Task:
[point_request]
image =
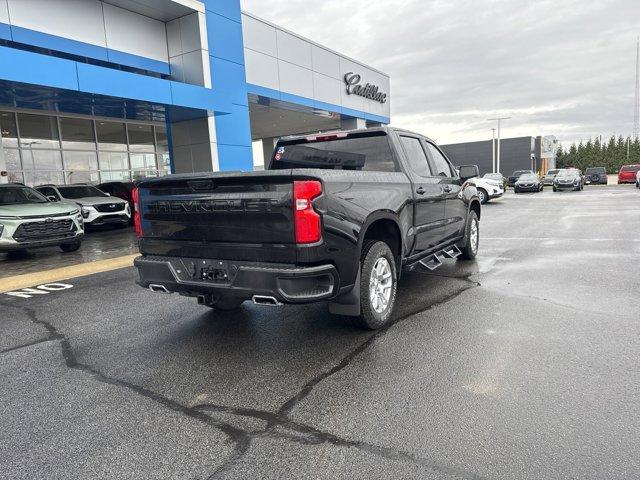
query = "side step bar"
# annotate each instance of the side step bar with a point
(434, 260)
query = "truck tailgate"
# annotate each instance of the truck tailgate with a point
(229, 212)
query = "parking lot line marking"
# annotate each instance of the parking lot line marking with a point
(16, 282)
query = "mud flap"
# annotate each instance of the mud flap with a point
(349, 303)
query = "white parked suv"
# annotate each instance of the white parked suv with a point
(487, 188)
(98, 208)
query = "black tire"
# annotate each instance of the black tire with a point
(483, 196)
(541, 188)
(555, 189)
(469, 250)
(370, 318)
(226, 303)
(70, 247)
(595, 178)
(515, 190)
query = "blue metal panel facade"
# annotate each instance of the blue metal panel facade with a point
(226, 50)
(42, 71)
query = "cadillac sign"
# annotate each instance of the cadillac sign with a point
(371, 92)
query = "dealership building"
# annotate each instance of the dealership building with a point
(94, 91)
(521, 153)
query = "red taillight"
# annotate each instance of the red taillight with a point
(135, 196)
(306, 219)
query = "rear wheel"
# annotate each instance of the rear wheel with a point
(378, 285)
(555, 189)
(483, 196)
(70, 247)
(471, 236)
(515, 190)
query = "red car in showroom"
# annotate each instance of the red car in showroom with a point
(627, 174)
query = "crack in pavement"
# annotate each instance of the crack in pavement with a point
(281, 418)
(242, 439)
(313, 436)
(290, 404)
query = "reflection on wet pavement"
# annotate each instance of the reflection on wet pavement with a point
(97, 245)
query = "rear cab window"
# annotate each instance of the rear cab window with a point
(367, 151)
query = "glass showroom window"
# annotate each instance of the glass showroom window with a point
(64, 150)
(40, 149)
(9, 144)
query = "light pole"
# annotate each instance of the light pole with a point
(498, 149)
(493, 150)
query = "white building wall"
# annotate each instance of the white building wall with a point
(92, 22)
(4, 12)
(281, 60)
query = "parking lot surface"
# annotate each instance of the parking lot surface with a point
(97, 244)
(522, 364)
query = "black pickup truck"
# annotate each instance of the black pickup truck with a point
(335, 217)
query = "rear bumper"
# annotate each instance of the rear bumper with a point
(197, 276)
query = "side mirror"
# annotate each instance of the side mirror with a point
(468, 171)
(51, 198)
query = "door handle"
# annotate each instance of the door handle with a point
(447, 188)
(420, 191)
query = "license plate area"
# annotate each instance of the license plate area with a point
(206, 271)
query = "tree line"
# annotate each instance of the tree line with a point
(611, 154)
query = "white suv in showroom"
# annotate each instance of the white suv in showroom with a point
(98, 208)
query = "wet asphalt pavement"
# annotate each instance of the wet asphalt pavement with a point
(522, 364)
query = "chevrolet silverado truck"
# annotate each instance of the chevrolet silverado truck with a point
(334, 217)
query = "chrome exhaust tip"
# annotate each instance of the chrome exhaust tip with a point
(264, 300)
(155, 288)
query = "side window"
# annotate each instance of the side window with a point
(48, 192)
(443, 167)
(416, 156)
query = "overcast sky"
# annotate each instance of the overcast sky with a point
(563, 67)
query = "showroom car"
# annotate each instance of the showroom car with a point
(528, 182)
(98, 208)
(568, 179)
(29, 220)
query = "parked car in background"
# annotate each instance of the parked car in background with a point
(528, 182)
(29, 220)
(596, 176)
(123, 190)
(488, 188)
(627, 174)
(549, 176)
(497, 176)
(568, 179)
(516, 175)
(98, 208)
